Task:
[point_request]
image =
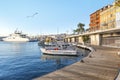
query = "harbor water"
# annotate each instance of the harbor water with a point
(24, 61)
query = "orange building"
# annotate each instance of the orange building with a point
(95, 19)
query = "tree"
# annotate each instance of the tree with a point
(80, 28)
(117, 3)
(85, 38)
(87, 30)
(74, 31)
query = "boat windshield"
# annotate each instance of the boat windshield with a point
(23, 36)
(50, 45)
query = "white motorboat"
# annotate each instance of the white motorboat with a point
(59, 52)
(58, 49)
(16, 37)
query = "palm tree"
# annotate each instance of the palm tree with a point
(80, 28)
(87, 30)
(117, 3)
(74, 31)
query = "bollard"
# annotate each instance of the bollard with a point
(82, 61)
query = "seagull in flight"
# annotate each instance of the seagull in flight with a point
(32, 15)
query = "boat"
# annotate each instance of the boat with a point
(54, 48)
(16, 37)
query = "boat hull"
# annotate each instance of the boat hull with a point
(59, 52)
(16, 40)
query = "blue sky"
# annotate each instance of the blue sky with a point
(53, 16)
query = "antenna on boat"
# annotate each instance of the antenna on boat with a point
(57, 30)
(16, 30)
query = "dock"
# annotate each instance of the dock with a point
(103, 64)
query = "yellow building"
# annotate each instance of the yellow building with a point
(117, 17)
(108, 18)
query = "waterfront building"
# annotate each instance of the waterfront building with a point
(95, 21)
(104, 28)
(108, 18)
(117, 17)
(95, 18)
(110, 23)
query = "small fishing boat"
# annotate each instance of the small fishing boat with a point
(53, 48)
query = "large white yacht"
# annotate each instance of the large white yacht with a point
(16, 37)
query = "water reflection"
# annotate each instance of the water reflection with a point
(17, 47)
(60, 61)
(52, 57)
(11, 47)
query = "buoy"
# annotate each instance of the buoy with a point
(82, 61)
